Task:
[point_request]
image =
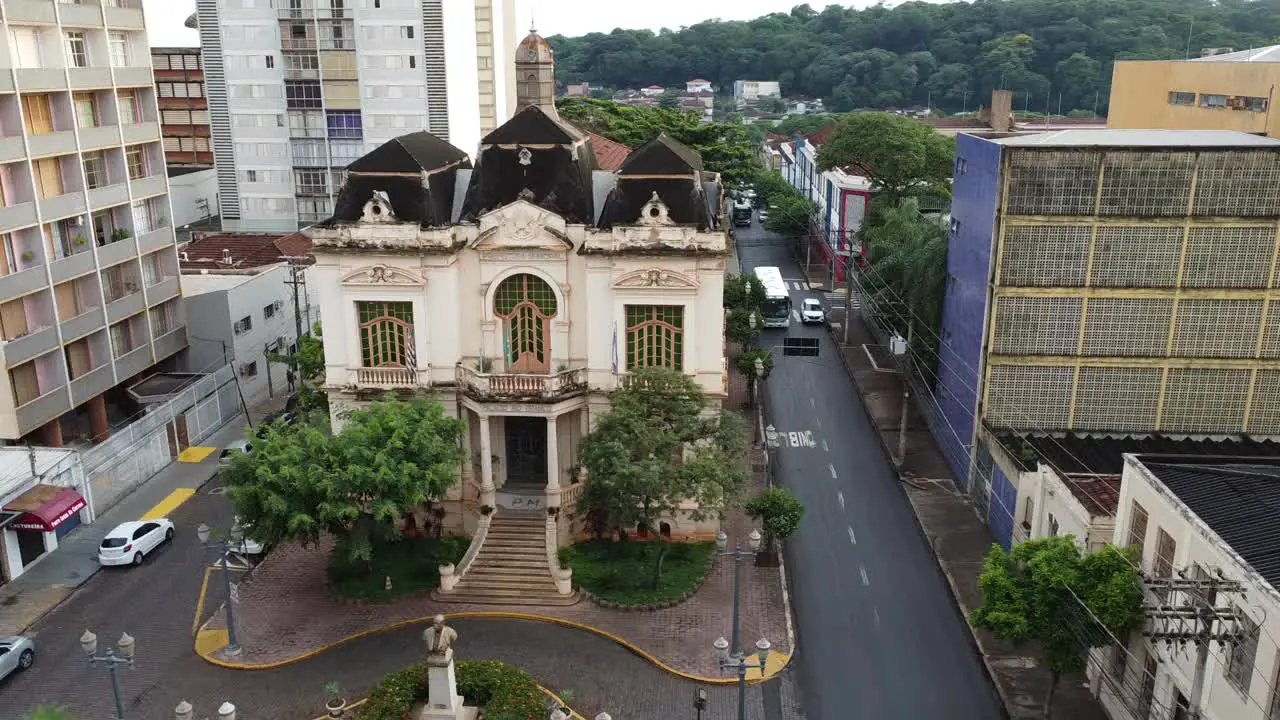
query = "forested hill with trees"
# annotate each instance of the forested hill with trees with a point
(951, 55)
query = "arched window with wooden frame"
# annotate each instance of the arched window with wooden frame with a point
(386, 333)
(655, 337)
(532, 88)
(526, 304)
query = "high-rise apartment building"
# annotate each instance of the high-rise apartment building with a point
(298, 89)
(89, 292)
(184, 112)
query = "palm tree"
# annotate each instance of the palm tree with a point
(50, 712)
(907, 275)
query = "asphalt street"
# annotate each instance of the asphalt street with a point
(879, 634)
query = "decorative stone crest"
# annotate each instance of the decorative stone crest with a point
(655, 278)
(383, 275)
(655, 213)
(526, 157)
(378, 209)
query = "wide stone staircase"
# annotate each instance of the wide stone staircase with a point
(511, 567)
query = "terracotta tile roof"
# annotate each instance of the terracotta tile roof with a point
(247, 250)
(820, 136)
(609, 154)
(1100, 494)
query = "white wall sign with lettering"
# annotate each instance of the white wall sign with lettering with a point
(520, 256)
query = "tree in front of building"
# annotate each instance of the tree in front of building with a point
(1048, 592)
(657, 452)
(306, 368)
(390, 459)
(901, 157)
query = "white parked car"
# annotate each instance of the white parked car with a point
(811, 312)
(248, 546)
(235, 448)
(130, 542)
(763, 215)
(16, 653)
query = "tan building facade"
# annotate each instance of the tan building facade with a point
(1234, 91)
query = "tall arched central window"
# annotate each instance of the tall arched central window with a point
(526, 305)
(386, 334)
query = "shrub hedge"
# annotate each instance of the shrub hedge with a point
(505, 692)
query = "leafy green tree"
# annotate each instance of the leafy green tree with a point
(726, 149)
(779, 513)
(390, 459)
(656, 448)
(872, 57)
(791, 215)
(906, 273)
(306, 367)
(901, 157)
(804, 124)
(1047, 592)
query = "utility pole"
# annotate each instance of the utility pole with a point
(296, 280)
(905, 374)
(1188, 611)
(848, 295)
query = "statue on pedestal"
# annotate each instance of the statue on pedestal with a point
(439, 640)
(443, 700)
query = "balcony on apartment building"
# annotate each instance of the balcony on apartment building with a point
(27, 328)
(131, 346)
(169, 328)
(89, 367)
(476, 378)
(39, 390)
(123, 291)
(79, 307)
(18, 204)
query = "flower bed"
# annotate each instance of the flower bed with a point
(504, 691)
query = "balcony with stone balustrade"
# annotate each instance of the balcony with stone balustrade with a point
(500, 386)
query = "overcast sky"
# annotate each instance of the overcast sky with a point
(565, 17)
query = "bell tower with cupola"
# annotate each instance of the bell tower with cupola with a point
(535, 74)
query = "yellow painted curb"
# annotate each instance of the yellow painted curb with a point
(204, 591)
(195, 454)
(169, 504)
(774, 664)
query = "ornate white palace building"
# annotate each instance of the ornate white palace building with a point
(520, 291)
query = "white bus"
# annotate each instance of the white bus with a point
(777, 301)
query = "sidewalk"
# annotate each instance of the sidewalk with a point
(58, 574)
(956, 534)
(285, 612)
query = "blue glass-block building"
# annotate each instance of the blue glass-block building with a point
(1107, 283)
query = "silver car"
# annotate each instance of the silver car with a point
(16, 653)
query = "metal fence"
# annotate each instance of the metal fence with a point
(136, 452)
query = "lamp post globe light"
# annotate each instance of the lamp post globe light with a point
(206, 536)
(122, 654)
(730, 653)
(185, 711)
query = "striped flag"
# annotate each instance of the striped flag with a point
(615, 348)
(410, 350)
(506, 347)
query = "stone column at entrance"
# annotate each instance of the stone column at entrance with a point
(52, 431)
(98, 425)
(553, 463)
(488, 493)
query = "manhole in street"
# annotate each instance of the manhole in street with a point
(218, 491)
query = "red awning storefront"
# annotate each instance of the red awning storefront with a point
(45, 507)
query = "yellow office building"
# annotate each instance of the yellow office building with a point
(1230, 91)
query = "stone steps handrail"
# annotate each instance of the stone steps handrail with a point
(451, 575)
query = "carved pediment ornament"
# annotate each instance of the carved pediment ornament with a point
(383, 275)
(655, 278)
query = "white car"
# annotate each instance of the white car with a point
(811, 312)
(763, 215)
(130, 542)
(248, 546)
(235, 448)
(16, 653)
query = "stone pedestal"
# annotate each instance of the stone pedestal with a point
(443, 700)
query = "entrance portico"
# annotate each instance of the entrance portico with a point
(523, 451)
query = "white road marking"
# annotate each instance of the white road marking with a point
(795, 315)
(863, 571)
(812, 404)
(840, 499)
(852, 538)
(832, 468)
(824, 447)
(877, 611)
(819, 421)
